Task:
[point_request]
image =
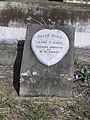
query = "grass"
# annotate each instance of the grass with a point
(79, 110)
(38, 112)
(47, 109)
(2, 116)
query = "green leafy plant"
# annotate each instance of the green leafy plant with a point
(85, 72)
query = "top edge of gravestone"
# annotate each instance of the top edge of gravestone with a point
(49, 4)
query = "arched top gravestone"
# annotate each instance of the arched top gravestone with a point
(47, 61)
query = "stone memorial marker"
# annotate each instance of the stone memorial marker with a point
(50, 46)
(47, 61)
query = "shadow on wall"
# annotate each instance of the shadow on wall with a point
(17, 66)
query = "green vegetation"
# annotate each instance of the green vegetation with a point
(50, 109)
(38, 112)
(2, 116)
(79, 110)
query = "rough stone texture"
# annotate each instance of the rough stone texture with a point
(32, 0)
(72, 1)
(7, 58)
(83, 55)
(7, 54)
(58, 12)
(40, 80)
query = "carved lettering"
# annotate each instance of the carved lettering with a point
(50, 46)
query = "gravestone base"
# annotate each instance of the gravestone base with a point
(39, 86)
(38, 79)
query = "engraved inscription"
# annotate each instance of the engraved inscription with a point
(50, 46)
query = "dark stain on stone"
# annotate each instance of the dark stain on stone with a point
(50, 16)
(60, 16)
(14, 14)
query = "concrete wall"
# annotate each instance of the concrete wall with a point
(15, 15)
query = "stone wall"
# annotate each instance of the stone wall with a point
(82, 54)
(73, 1)
(7, 58)
(8, 54)
(15, 15)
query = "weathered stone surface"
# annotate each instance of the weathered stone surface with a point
(16, 14)
(40, 80)
(7, 54)
(83, 55)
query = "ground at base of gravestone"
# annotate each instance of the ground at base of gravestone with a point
(13, 107)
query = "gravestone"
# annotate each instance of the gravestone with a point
(47, 61)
